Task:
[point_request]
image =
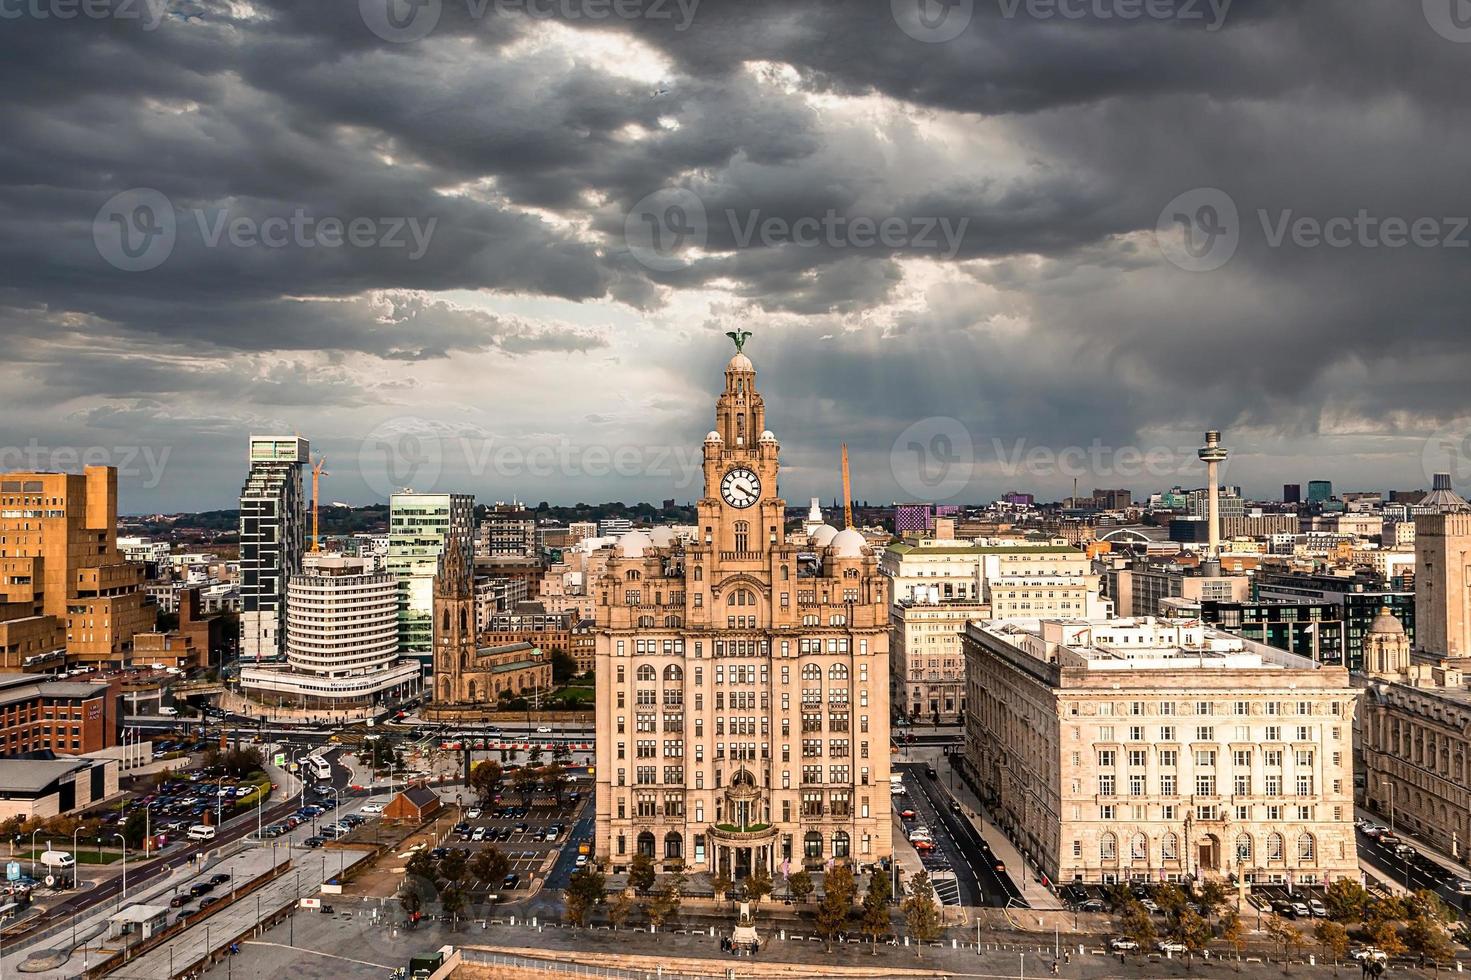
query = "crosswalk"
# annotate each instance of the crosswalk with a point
(947, 889)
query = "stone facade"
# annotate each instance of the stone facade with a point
(742, 693)
(1158, 749)
(465, 671)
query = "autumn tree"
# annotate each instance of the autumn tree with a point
(620, 909)
(1332, 939)
(584, 893)
(1233, 934)
(1347, 900)
(485, 780)
(662, 905)
(799, 883)
(875, 917)
(757, 885)
(1284, 936)
(722, 884)
(837, 903)
(1135, 924)
(922, 913)
(641, 873)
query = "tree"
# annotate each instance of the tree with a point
(722, 884)
(562, 753)
(799, 883)
(1171, 900)
(1385, 935)
(134, 828)
(1135, 924)
(533, 758)
(875, 921)
(1347, 900)
(410, 900)
(452, 900)
(584, 893)
(836, 904)
(1213, 896)
(1332, 939)
(489, 864)
(1193, 932)
(524, 779)
(641, 873)
(1233, 934)
(564, 667)
(421, 865)
(485, 780)
(620, 909)
(662, 906)
(1284, 936)
(554, 777)
(1425, 934)
(452, 865)
(757, 885)
(922, 913)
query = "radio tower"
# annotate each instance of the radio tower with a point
(1213, 453)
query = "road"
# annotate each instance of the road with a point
(960, 840)
(1411, 873)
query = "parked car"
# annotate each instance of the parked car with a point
(511, 881)
(218, 879)
(1092, 905)
(1317, 908)
(473, 813)
(1370, 954)
(1170, 946)
(200, 888)
(1122, 945)
(372, 808)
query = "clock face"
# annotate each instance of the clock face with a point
(740, 488)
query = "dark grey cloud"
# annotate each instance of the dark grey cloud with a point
(1053, 145)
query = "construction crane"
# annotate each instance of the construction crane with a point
(318, 472)
(847, 493)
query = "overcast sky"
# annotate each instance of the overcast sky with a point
(992, 244)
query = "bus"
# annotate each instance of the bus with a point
(319, 767)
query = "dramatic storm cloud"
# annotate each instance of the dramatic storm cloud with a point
(493, 246)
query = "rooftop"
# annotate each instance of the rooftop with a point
(34, 775)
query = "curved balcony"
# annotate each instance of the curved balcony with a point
(726, 833)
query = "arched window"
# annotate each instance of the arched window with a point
(838, 672)
(445, 620)
(1138, 848)
(699, 574)
(742, 536)
(646, 673)
(646, 843)
(673, 845)
(472, 690)
(840, 844)
(464, 620)
(1243, 847)
(785, 573)
(812, 845)
(1274, 846)
(812, 672)
(1169, 847)
(673, 673)
(1305, 847)
(1108, 847)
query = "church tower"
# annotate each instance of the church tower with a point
(454, 620)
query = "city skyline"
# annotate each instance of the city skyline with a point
(1025, 286)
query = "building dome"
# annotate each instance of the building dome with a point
(768, 436)
(633, 545)
(823, 534)
(662, 537)
(1386, 623)
(740, 363)
(713, 436)
(848, 544)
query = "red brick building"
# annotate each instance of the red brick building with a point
(67, 717)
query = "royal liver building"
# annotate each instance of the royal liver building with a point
(742, 695)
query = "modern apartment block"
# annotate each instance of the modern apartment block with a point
(1359, 599)
(272, 542)
(419, 526)
(507, 530)
(742, 692)
(66, 591)
(1143, 749)
(341, 641)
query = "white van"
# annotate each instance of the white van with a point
(201, 832)
(169, 711)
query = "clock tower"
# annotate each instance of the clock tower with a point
(742, 677)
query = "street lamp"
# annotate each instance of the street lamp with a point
(33, 851)
(1385, 783)
(124, 893)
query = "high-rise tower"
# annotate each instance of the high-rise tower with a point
(1213, 453)
(272, 542)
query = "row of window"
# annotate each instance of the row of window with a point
(1239, 708)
